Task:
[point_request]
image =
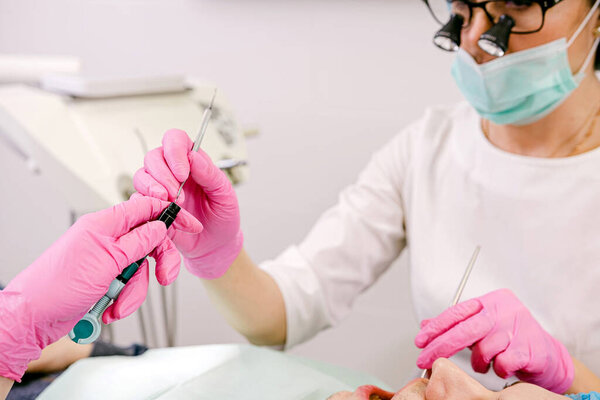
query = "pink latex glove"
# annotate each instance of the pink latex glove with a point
(207, 195)
(43, 302)
(498, 328)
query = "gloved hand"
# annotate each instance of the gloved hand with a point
(43, 302)
(500, 329)
(207, 195)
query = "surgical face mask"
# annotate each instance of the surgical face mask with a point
(522, 87)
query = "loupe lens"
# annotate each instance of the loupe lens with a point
(490, 47)
(495, 40)
(445, 43)
(448, 38)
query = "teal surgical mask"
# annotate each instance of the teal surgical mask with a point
(523, 87)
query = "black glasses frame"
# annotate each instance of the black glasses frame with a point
(544, 4)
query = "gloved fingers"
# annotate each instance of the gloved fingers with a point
(424, 323)
(145, 238)
(176, 146)
(144, 183)
(131, 298)
(456, 339)
(540, 352)
(138, 243)
(185, 222)
(446, 320)
(509, 362)
(123, 217)
(168, 262)
(156, 166)
(213, 181)
(551, 367)
(484, 351)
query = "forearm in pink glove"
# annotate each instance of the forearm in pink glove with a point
(43, 302)
(207, 195)
(499, 329)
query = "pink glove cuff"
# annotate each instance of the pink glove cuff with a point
(18, 344)
(216, 263)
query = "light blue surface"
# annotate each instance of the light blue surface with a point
(585, 396)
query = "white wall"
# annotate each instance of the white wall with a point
(327, 82)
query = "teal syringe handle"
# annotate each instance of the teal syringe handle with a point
(88, 329)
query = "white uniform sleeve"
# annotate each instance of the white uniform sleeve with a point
(349, 247)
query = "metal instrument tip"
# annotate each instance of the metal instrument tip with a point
(212, 101)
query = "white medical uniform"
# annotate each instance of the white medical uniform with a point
(437, 190)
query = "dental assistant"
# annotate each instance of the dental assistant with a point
(515, 169)
(45, 300)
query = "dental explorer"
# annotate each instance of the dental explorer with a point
(200, 136)
(88, 329)
(461, 287)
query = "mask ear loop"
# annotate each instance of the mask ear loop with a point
(584, 23)
(591, 55)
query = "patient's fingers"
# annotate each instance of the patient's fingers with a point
(131, 298)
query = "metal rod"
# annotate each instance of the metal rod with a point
(465, 277)
(200, 135)
(461, 286)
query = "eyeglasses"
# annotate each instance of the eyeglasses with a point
(528, 15)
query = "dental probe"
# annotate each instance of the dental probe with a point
(461, 287)
(88, 329)
(200, 135)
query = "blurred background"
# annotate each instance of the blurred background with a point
(324, 83)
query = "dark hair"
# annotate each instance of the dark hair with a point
(597, 60)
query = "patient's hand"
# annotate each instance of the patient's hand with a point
(448, 382)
